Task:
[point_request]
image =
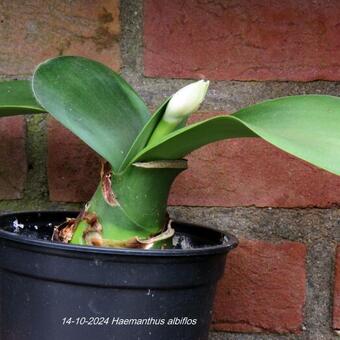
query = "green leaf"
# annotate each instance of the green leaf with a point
(92, 101)
(145, 134)
(176, 145)
(16, 98)
(305, 126)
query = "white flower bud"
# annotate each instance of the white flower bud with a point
(186, 101)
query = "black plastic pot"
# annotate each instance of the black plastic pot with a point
(53, 291)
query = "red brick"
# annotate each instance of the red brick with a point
(242, 39)
(245, 172)
(263, 288)
(13, 165)
(73, 168)
(33, 31)
(336, 304)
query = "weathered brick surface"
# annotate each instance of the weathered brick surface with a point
(263, 288)
(245, 172)
(242, 39)
(336, 304)
(13, 166)
(35, 30)
(73, 168)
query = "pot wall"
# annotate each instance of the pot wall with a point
(56, 291)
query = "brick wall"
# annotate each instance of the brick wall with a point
(283, 282)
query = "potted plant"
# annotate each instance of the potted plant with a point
(120, 269)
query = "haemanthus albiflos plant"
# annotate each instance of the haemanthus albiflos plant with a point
(143, 153)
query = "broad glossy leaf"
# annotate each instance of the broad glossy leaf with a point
(178, 144)
(16, 98)
(92, 101)
(305, 126)
(145, 134)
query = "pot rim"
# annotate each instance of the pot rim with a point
(228, 241)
